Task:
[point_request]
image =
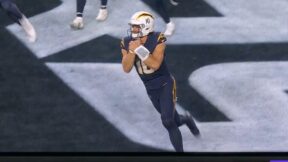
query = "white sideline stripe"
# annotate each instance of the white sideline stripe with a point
(121, 98)
(244, 21)
(53, 27)
(251, 94)
(96, 84)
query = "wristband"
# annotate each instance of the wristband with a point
(142, 52)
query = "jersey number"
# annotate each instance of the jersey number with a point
(143, 69)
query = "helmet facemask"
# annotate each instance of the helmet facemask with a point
(134, 35)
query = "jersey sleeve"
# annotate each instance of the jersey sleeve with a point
(161, 38)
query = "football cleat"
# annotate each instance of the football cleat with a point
(192, 125)
(174, 3)
(28, 28)
(77, 23)
(102, 15)
(170, 28)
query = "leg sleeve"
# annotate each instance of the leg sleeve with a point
(104, 2)
(12, 10)
(80, 7)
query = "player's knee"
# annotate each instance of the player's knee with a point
(168, 123)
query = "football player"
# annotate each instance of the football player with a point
(159, 6)
(145, 49)
(78, 22)
(17, 16)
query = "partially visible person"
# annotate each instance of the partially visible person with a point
(17, 16)
(78, 22)
(159, 6)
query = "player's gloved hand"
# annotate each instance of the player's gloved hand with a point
(142, 52)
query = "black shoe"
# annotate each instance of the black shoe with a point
(192, 125)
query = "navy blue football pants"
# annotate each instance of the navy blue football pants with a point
(164, 99)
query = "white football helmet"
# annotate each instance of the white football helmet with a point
(146, 22)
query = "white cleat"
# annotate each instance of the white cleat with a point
(170, 28)
(29, 29)
(102, 15)
(77, 23)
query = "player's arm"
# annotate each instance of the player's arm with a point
(154, 60)
(128, 58)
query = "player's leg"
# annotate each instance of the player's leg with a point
(78, 22)
(184, 119)
(80, 7)
(167, 120)
(17, 16)
(162, 10)
(167, 115)
(189, 121)
(154, 97)
(103, 12)
(11, 10)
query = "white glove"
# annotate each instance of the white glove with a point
(142, 52)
